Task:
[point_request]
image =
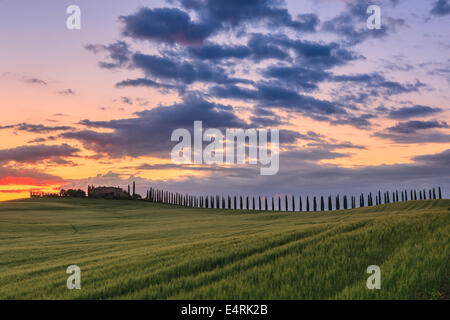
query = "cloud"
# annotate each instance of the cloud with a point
(299, 175)
(235, 13)
(440, 8)
(413, 126)
(168, 25)
(311, 53)
(296, 76)
(274, 95)
(182, 72)
(149, 133)
(118, 53)
(256, 49)
(416, 132)
(351, 23)
(439, 159)
(36, 128)
(67, 92)
(413, 111)
(17, 177)
(143, 82)
(379, 84)
(37, 153)
(35, 81)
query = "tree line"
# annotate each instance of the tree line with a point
(289, 202)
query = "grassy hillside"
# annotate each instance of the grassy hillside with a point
(133, 249)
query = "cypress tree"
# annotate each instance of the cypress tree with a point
(300, 205)
(434, 193)
(253, 203)
(259, 203)
(430, 197)
(440, 193)
(307, 203)
(415, 195)
(315, 204)
(322, 204)
(235, 202)
(286, 207)
(265, 204)
(411, 197)
(330, 203)
(247, 203)
(403, 196)
(241, 203)
(273, 204)
(338, 205)
(293, 203)
(345, 202)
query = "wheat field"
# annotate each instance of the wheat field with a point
(142, 250)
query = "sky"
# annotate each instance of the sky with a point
(358, 109)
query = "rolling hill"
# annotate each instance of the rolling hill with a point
(142, 250)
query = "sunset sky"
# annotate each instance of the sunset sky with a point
(358, 110)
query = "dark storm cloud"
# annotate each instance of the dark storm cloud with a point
(440, 8)
(37, 153)
(413, 111)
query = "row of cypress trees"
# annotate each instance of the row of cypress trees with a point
(289, 202)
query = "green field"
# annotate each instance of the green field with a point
(141, 250)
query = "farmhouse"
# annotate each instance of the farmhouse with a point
(107, 193)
